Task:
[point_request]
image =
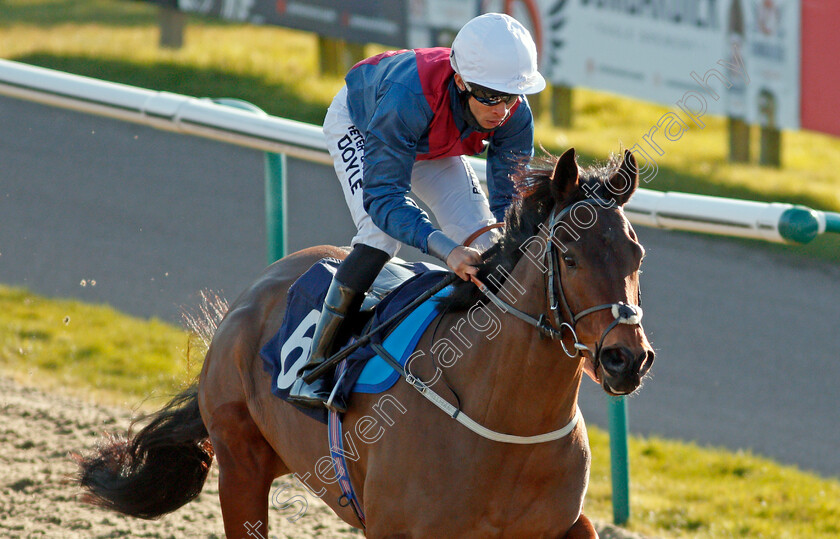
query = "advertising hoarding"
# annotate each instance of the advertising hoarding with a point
(360, 21)
(820, 106)
(742, 54)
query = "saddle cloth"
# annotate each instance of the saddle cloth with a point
(398, 284)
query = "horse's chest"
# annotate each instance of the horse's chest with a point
(517, 494)
(544, 498)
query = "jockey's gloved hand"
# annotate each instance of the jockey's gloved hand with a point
(462, 260)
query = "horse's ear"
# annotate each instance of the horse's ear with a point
(624, 182)
(564, 178)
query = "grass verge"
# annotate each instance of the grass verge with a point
(677, 489)
(92, 350)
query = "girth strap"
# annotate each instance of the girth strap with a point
(336, 445)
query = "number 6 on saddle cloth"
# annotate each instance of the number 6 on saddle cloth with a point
(398, 283)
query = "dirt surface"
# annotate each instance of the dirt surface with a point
(39, 430)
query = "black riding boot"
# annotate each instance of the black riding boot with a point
(341, 301)
(344, 297)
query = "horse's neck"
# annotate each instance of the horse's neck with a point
(510, 377)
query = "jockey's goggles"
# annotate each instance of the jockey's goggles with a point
(489, 97)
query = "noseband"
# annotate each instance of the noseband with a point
(623, 313)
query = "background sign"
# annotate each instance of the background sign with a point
(658, 51)
(360, 21)
(741, 56)
(820, 66)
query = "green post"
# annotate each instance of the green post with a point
(172, 23)
(336, 56)
(275, 205)
(770, 148)
(275, 190)
(799, 224)
(537, 104)
(619, 460)
(353, 54)
(561, 106)
(329, 53)
(770, 143)
(739, 141)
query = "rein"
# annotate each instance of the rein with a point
(474, 236)
(623, 313)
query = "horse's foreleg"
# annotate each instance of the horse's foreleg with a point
(582, 529)
(247, 466)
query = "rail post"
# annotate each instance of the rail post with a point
(561, 106)
(619, 460)
(275, 205)
(275, 190)
(172, 23)
(770, 147)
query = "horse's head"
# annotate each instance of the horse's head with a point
(593, 267)
(585, 256)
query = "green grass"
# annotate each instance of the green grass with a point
(683, 490)
(677, 489)
(270, 67)
(68, 344)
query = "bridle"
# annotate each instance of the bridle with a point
(623, 313)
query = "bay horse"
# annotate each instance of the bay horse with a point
(568, 260)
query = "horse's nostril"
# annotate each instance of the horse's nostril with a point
(616, 360)
(645, 361)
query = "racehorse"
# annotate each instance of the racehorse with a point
(565, 301)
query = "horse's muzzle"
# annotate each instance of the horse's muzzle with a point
(622, 370)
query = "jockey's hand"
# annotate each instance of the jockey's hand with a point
(463, 261)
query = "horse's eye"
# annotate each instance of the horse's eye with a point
(570, 261)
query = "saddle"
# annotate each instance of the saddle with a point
(391, 276)
(396, 286)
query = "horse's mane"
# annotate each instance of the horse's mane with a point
(532, 204)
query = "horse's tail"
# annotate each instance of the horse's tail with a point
(158, 470)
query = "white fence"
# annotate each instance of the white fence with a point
(202, 117)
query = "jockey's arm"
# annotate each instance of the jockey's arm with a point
(399, 120)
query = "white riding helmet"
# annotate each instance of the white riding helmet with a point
(495, 51)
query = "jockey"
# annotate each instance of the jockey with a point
(406, 119)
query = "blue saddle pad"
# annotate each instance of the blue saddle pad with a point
(287, 351)
(377, 375)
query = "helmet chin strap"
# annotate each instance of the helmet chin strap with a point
(464, 100)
